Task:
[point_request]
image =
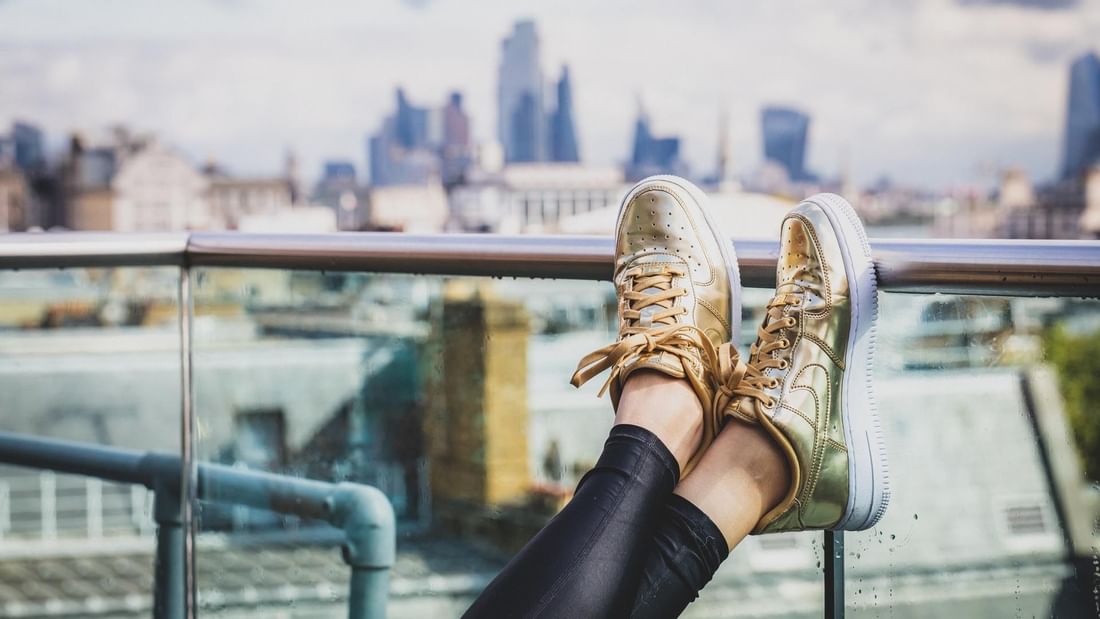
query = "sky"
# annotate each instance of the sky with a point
(932, 93)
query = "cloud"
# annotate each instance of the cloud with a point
(924, 91)
(1050, 5)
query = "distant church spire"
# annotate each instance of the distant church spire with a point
(721, 175)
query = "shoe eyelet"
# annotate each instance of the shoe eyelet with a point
(773, 384)
(784, 343)
(770, 403)
(791, 321)
(783, 364)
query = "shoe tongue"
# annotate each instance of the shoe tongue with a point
(650, 265)
(646, 313)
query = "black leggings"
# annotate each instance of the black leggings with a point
(624, 546)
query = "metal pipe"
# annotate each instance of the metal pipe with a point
(362, 512)
(368, 593)
(998, 267)
(170, 585)
(116, 464)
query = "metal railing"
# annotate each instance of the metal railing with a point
(979, 267)
(362, 512)
(1018, 268)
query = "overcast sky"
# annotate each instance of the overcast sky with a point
(934, 93)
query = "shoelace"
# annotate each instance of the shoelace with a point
(738, 379)
(648, 333)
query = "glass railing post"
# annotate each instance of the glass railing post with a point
(188, 477)
(169, 592)
(834, 574)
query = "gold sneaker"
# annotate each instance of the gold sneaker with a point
(679, 294)
(808, 379)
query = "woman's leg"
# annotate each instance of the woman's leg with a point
(588, 559)
(738, 480)
(814, 457)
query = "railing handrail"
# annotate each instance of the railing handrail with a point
(970, 266)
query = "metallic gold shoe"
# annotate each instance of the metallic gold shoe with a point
(808, 379)
(679, 294)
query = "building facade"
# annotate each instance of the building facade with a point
(785, 131)
(16, 201)
(1082, 139)
(231, 200)
(158, 190)
(533, 198)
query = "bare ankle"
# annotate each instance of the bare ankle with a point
(756, 454)
(666, 406)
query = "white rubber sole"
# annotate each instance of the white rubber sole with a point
(725, 245)
(868, 470)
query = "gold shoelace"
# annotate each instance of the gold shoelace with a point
(738, 379)
(658, 331)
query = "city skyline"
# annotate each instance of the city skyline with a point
(907, 89)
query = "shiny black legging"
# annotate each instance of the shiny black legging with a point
(625, 546)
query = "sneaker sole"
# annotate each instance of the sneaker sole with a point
(868, 470)
(725, 245)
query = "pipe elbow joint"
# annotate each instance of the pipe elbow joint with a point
(367, 518)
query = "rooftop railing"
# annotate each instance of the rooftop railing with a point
(973, 267)
(999, 267)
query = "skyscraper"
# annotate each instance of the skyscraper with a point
(411, 123)
(455, 150)
(456, 124)
(520, 117)
(563, 135)
(399, 152)
(784, 130)
(27, 144)
(653, 155)
(420, 145)
(1082, 140)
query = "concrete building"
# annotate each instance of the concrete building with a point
(147, 188)
(158, 190)
(408, 208)
(17, 203)
(232, 200)
(339, 190)
(533, 197)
